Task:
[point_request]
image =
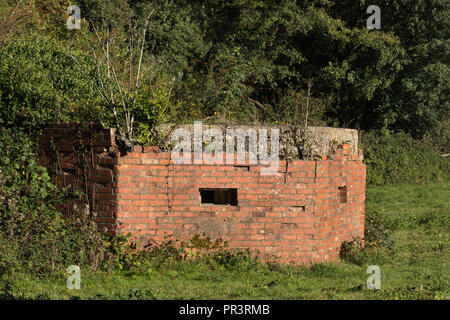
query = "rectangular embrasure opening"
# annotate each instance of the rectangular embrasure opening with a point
(242, 168)
(342, 194)
(219, 196)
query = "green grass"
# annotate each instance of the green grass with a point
(414, 262)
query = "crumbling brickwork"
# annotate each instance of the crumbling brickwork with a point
(301, 214)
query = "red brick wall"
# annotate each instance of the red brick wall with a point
(298, 214)
(84, 158)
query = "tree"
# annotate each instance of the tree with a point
(417, 99)
(117, 53)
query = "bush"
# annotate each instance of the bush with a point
(40, 83)
(439, 136)
(398, 158)
(172, 253)
(35, 237)
(377, 229)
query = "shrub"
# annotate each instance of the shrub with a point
(40, 83)
(172, 253)
(398, 158)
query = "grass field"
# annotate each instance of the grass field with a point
(413, 257)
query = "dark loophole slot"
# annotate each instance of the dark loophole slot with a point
(242, 168)
(219, 196)
(342, 194)
(70, 171)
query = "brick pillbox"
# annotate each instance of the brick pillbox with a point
(301, 214)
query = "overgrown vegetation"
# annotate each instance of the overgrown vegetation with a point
(34, 236)
(398, 158)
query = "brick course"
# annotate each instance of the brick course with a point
(301, 214)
